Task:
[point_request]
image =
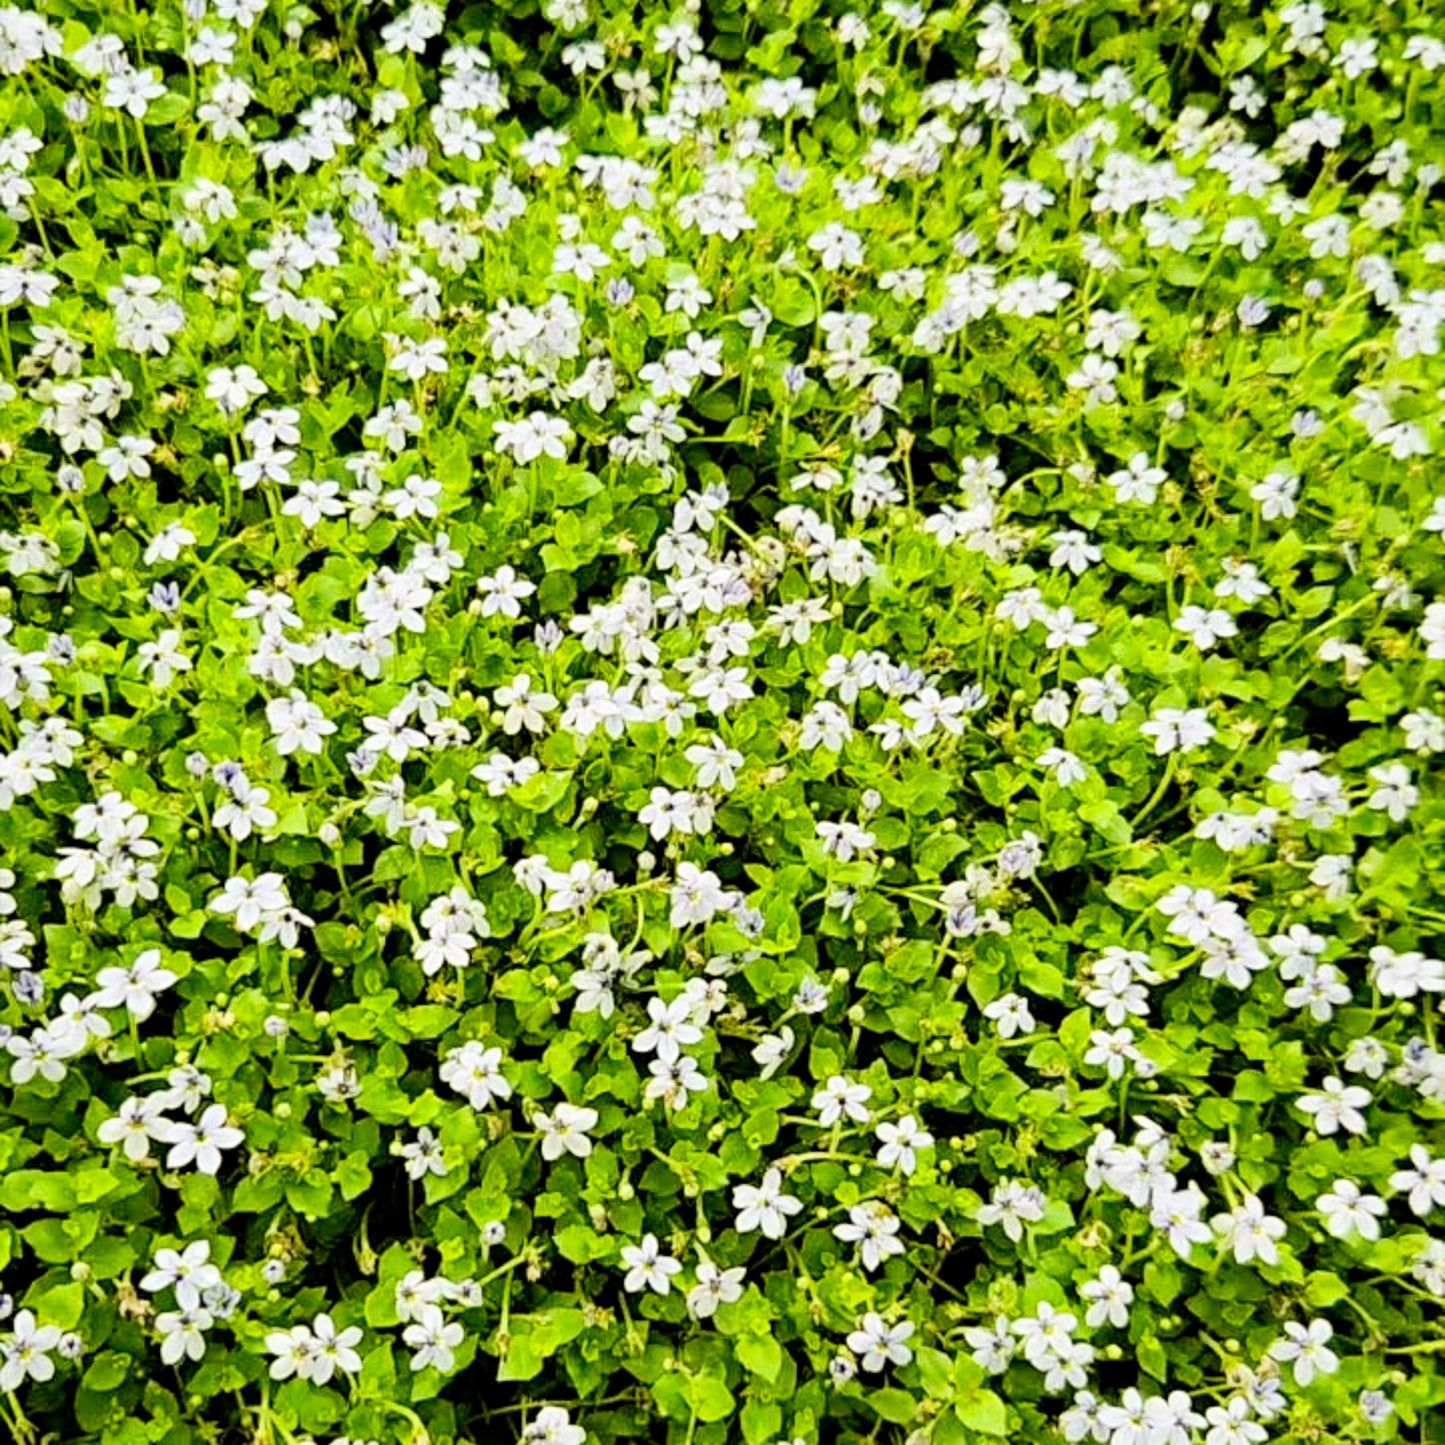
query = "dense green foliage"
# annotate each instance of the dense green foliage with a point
(721, 725)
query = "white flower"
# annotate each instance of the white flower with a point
(716, 764)
(535, 436)
(1375, 1407)
(900, 1141)
(1074, 550)
(414, 1291)
(1204, 626)
(881, 1344)
(771, 1050)
(696, 896)
(188, 1270)
(1046, 1333)
(1241, 580)
(837, 246)
(648, 1267)
(670, 1029)
(1231, 1424)
(1403, 975)
(433, 1337)
(839, 1098)
(873, 1227)
(992, 1346)
(553, 1426)
(183, 1333)
(1367, 1056)
(1277, 495)
(251, 901)
(135, 985)
(564, 1131)
(503, 593)
(295, 1351)
(1425, 730)
(133, 1127)
(1394, 794)
(232, 390)
(1428, 1266)
(1010, 1014)
(417, 359)
(1250, 1232)
(1331, 872)
(522, 706)
(1176, 1213)
(1066, 767)
(1112, 1050)
(1425, 1182)
(1139, 481)
(163, 658)
(168, 543)
(764, 1207)
(1308, 1348)
(673, 1080)
(1067, 630)
(1109, 1296)
(475, 1072)
(200, 1143)
(1012, 1205)
(186, 1087)
(132, 90)
(25, 1352)
(1178, 729)
(714, 1287)
(1348, 1210)
(1337, 1107)
(423, 1155)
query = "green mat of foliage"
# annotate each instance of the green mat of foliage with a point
(721, 724)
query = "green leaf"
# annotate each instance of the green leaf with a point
(353, 1175)
(710, 1398)
(535, 1338)
(542, 792)
(60, 1305)
(983, 1411)
(1152, 1358)
(761, 1354)
(894, 1405)
(791, 302)
(761, 1421)
(107, 1370)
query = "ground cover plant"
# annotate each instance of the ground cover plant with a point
(721, 724)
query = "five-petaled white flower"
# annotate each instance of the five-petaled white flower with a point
(648, 1267)
(199, 1143)
(839, 1099)
(1306, 1347)
(564, 1130)
(765, 1207)
(900, 1143)
(879, 1344)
